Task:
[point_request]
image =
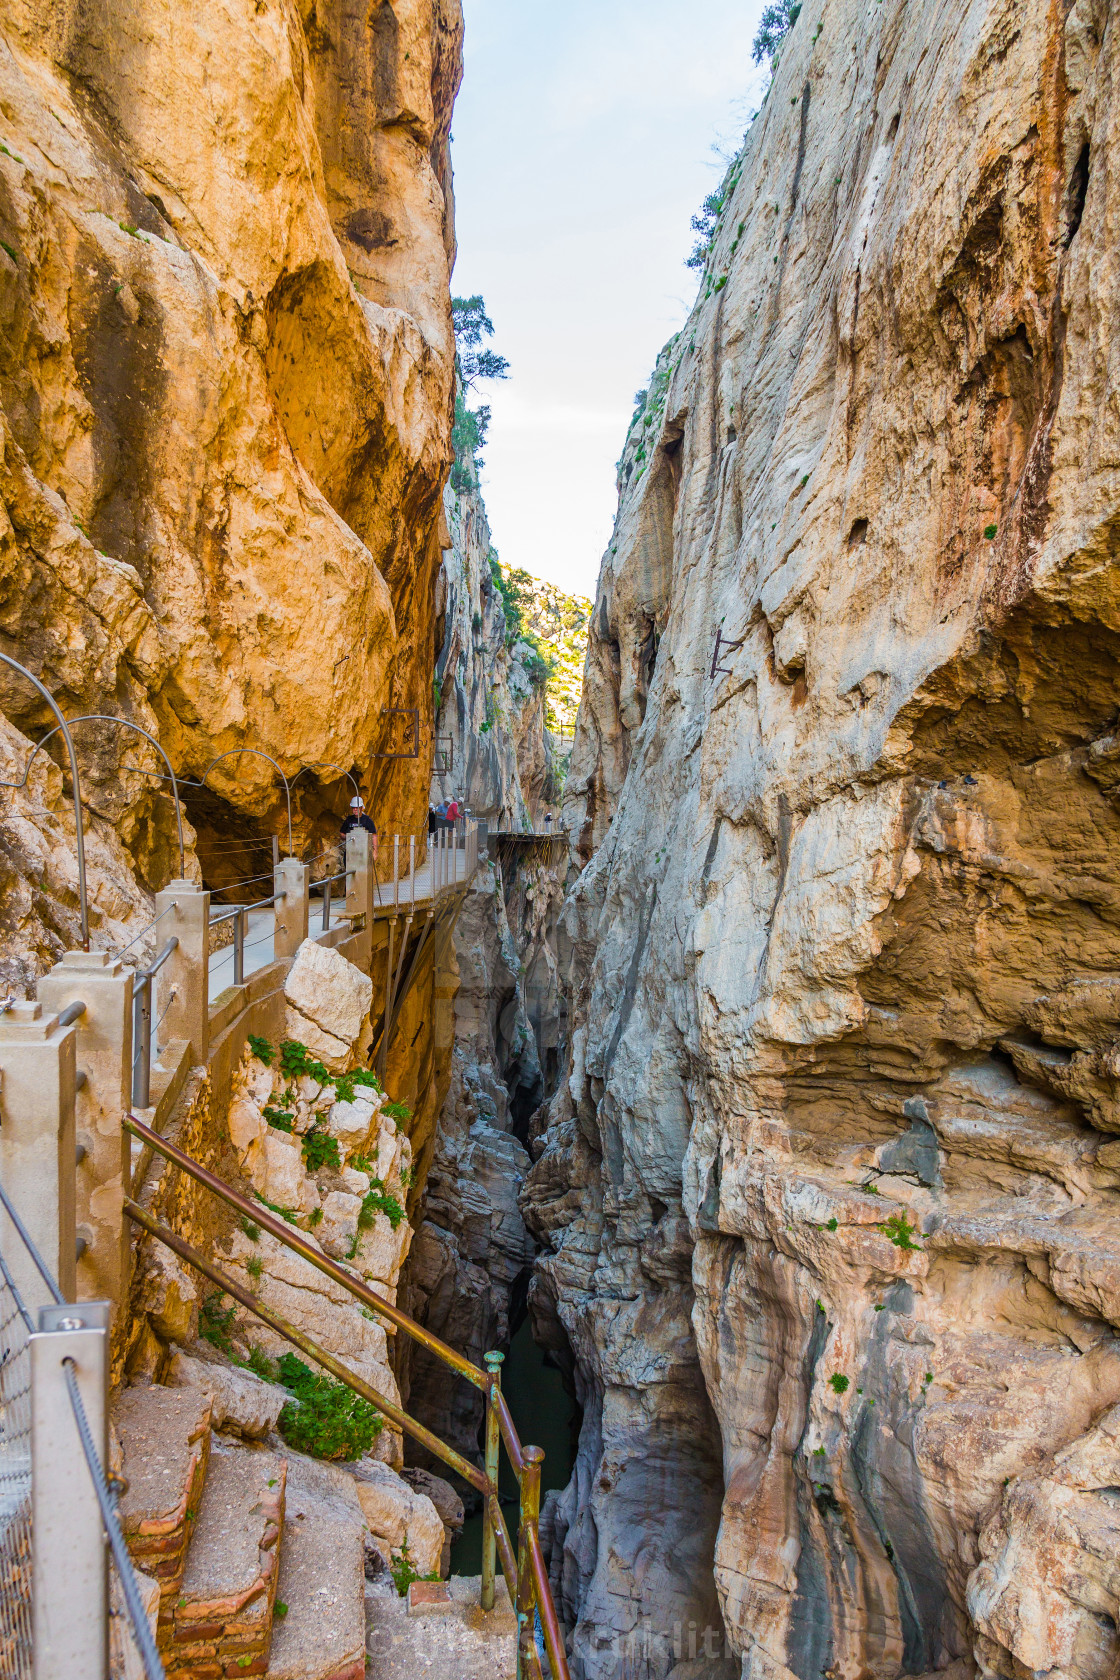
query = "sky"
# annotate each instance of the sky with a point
(582, 146)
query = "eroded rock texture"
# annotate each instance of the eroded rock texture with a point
(226, 369)
(831, 1191)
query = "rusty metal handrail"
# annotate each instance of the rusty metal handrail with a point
(294, 1240)
(477, 1478)
(457, 1462)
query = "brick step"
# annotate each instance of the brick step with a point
(321, 1635)
(440, 1630)
(164, 1439)
(222, 1619)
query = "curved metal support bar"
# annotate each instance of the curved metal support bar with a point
(236, 752)
(76, 788)
(322, 764)
(104, 717)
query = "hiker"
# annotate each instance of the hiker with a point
(356, 818)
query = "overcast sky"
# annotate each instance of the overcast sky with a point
(582, 146)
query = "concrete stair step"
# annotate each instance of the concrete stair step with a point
(444, 1636)
(322, 1632)
(223, 1615)
(164, 1439)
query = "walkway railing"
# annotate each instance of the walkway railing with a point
(56, 1499)
(524, 1570)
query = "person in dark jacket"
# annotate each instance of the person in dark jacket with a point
(356, 818)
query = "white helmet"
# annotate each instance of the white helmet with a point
(357, 803)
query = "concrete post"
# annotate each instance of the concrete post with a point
(359, 875)
(103, 1044)
(292, 912)
(37, 1152)
(70, 1602)
(186, 973)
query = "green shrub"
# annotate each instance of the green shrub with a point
(325, 1419)
(400, 1112)
(281, 1119)
(320, 1149)
(990, 531)
(838, 1383)
(296, 1062)
(900, 1231)
(774, 25)
(254, 1266)
(346, 1084)
(379, 1200)
(251, 1229)
(262, 1049)
(260, 1364)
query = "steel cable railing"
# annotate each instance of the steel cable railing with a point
(141, 1631)
(524, 1569)
(154, 923)
(17, 1405)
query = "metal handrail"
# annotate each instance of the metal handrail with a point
(244, 909)
(526, 1575)
(155, 921)
(309, 1251)
(75, 788)
(142, 1024)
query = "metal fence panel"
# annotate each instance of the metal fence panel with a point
(15, 1483)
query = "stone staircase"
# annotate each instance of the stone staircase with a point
(261, 1558)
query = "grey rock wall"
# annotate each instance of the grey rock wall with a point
(828, 1195)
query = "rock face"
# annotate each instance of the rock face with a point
(491, 746)
(830, 1190)
(226, 369)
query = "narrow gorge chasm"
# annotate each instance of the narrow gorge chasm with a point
(738, 1055)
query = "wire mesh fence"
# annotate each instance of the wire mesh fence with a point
(15, 1482)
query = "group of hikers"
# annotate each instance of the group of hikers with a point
(444, 815)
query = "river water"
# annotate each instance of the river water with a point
(545, 1416)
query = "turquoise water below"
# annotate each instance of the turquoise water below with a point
(545, 1416)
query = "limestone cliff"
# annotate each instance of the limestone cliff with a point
(226, 371)
(830, 1190)
(469, 1265)
(491, 744)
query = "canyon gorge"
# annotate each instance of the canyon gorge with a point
(770, 1062)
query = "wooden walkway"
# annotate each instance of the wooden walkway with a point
(445, 873)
